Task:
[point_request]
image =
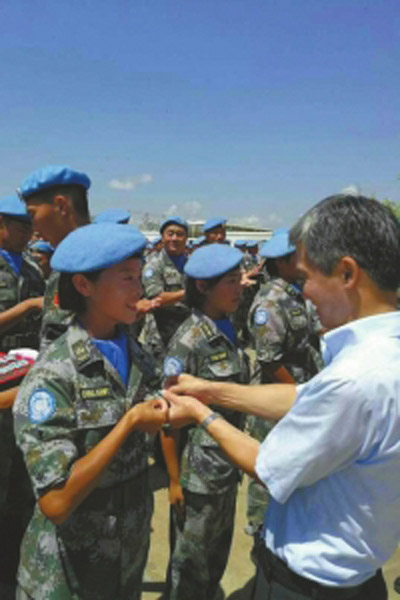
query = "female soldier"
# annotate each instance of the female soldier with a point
(80, 421)
(203, 488)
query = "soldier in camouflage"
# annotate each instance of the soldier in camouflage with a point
(163, 278)
(56, 199)
(21, 290)
(80, 419)
(203, 481)
(283, 330)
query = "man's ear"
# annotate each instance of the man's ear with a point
(62, 204)
(348, 270)
(83, 285)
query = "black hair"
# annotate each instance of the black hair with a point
(356, 226)
(77, 194)
(68, 295)
(193, 297)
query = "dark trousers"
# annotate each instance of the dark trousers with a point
(275, 581)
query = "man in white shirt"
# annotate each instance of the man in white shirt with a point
(331, 464)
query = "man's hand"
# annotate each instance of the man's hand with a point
(177, 501)
(184, 410)
(192, 386)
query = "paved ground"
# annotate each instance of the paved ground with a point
(237, 581)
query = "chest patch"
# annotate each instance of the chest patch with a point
(41, 406)
(261, 316)
(172, 366)
(218, 357)
(95, 393)
(149, 272)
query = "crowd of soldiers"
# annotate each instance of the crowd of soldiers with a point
(258, 328)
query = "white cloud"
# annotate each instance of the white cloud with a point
(172, 211)
(131, 183)
(351, 190)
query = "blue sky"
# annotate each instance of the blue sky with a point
(251, 109)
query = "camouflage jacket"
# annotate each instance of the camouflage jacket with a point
(282, 330)
(70, 400)
(161, 275)
(55, 320)
(13, 290)
(201, 349)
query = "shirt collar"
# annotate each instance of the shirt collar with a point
(351, 334)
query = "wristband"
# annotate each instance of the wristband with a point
(208, 420)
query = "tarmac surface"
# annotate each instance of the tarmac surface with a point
(237, 582)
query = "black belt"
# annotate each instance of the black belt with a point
(275, 569)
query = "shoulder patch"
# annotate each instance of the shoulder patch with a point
(80, 351)
(206, 329)
(261, 316)
(41, 406)
(148, 272)
(172, 366)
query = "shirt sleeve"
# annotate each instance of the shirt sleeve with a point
(45, 425)
(326, 429)
(269, 329)
(152, 280)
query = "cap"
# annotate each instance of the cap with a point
(240, 243)
(113, 216)
(14, 208)
(199, 240)
(212, 261)
(50, 176)
(251, 243)
(213, 223)
(94, 247)
(278, 245)
(174, 221)
(41, 246)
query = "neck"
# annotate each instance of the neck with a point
(98, 327)
(212, 312)
(371, 300)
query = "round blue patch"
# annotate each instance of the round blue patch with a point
(148, 272)
(172, 366)
(41, 406)
(260, 316)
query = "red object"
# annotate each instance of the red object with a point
(13, 369)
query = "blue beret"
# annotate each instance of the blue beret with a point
(157, 239)
(278, 245)
(94, 247)
(50, 176)
(240, 243)
(13, 207)
(113, 216)
(174, 221)
(213, 223)
(212, 260)
(199, 240)
(41, 246)
(251, 244)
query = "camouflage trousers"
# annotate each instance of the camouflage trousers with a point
(257, 494)
(202, 545)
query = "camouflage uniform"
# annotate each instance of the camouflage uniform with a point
(209, 480)
(13, 290)
(16, 497)
(161, 275)
(71, 399)
(282, 326)
(55, 320)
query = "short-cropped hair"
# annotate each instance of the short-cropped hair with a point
(77, 194)
(356, 226)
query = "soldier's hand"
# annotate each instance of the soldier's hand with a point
(143, 306)
(184, 410)
(149, 416)
(177, 501)
(191, 386)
